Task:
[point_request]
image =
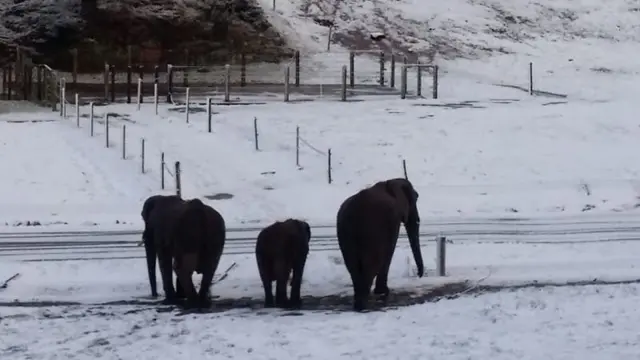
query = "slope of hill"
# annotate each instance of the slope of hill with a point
(576, 46)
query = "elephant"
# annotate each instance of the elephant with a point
(150, 204)
(187, 236)
(368, 224)
(282, 248)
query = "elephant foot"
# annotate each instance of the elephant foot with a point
(170, 301)
(295, 304)
(281, 302)
(180, 294)
(381, 290)
(192, 303)
(269, 304)
(204, 302)
(282, 305)
(360, 303)
(359, 307)
(154, 294)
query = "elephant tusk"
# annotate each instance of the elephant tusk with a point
(141, 243)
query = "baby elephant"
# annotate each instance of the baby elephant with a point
(282, 247)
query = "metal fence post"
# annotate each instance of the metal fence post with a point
(162, 170)
(441, 242)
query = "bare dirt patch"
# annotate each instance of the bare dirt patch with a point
(328, 304)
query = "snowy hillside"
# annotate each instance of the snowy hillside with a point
(55, 174)
(581, 48)
(495, 157)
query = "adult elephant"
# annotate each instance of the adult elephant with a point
(281, 249)
(368, 224)
(191, 234)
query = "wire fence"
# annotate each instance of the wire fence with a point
(175, 174)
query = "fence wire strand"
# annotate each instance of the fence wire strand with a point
(305, 142)
(168, 171)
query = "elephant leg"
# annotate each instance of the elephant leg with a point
(186, 268)
(208, 268)
(266, 281)
(268, 293)
(164, 260)
(296, 282)
(150, 253)
(368, 265)
(351, 261)
(381, 278)
(281, 289)
(362, 290)
(179, 289)
(203, 293)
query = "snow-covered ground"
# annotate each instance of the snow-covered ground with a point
(494, 156)
(99, 281)
(516, 156)
(593, 322)
(481, 150)
(55, 174)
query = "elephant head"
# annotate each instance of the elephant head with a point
(406, 198)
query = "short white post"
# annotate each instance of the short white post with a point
(77, 110)
(441, 242)
(155, 97)
(287, 75)
(139, 92)
(61, 95)
(186, 105)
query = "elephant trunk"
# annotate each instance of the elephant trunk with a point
(412, 226)
(150, 252)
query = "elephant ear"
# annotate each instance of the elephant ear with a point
(306, 230)
(148, 206)
(401, 190)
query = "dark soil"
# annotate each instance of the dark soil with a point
(328, 304)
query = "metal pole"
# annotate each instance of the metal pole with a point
(186, 106)
(441, 242)
(77, 98)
